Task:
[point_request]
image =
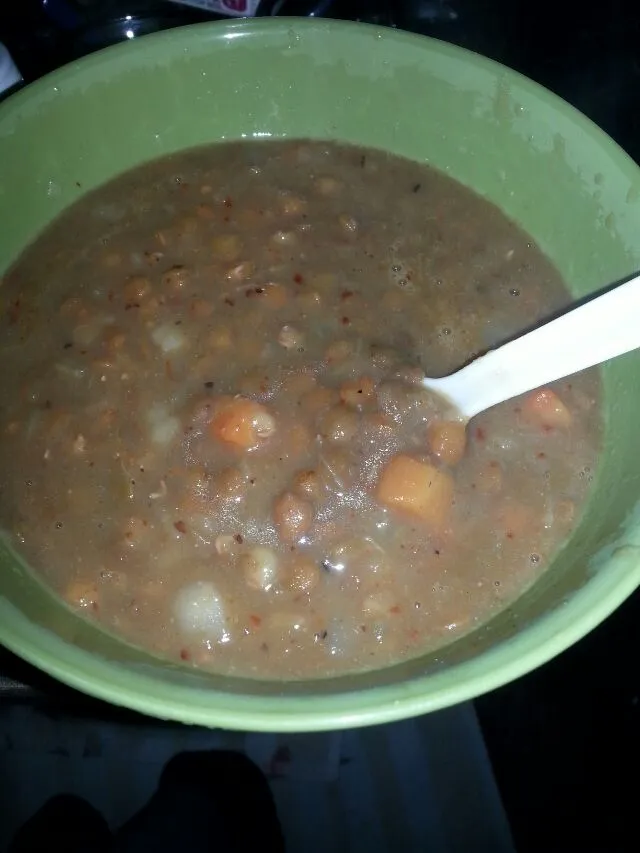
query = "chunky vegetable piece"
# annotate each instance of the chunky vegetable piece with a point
(214, 438)
(243, 423)
(417, 488)
(545, 407)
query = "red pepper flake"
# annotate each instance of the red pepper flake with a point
(480, 434)
(346, 321)
(413, 634)
(229, 301)
(184, 654)
(546, 428)
(298, 278)
(541, 455)
(180, 526)
(255, 620)
(168, 370)
(346, 294)
(510, 534)
(395, 609)
(228, 202)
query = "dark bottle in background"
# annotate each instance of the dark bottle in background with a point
(43, 34)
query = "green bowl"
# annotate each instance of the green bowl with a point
(545, 164)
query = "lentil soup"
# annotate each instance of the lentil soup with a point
(214, 439)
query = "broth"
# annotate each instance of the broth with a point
(214, 438)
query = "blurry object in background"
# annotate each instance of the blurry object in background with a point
(9, 74)
(44, 34)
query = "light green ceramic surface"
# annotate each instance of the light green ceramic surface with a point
(542, 162)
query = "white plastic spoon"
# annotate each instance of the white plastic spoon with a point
(604, 327)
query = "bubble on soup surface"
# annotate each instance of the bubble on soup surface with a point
(199, 609)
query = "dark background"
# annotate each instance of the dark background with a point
(565, 740)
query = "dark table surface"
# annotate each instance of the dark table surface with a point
(565, 740)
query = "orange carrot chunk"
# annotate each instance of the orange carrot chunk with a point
(544, 407)
(447, 440)
(243, 423)
(417, 489)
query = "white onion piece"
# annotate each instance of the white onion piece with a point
(163, 431)
(199, 609)
(168, 337)
(163, 425)
(261, 568)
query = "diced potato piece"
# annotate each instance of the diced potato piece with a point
(544, 407)
(243, 423)
(447, 440)
(416, 488)
(261, 568)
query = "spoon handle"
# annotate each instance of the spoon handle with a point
(602, 328)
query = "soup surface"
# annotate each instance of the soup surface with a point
(213, 437)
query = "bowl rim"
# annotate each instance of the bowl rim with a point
(507, 660)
